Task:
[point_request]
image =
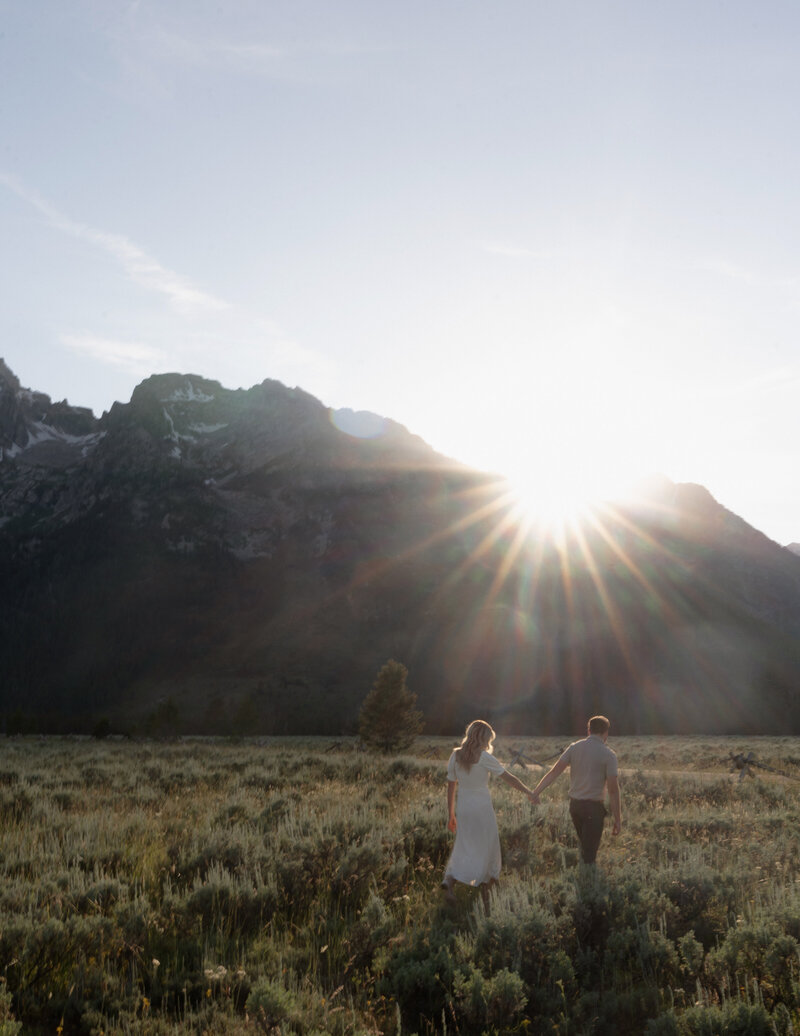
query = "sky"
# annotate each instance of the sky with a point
(557, 240)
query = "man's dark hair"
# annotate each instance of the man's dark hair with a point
(599, 725)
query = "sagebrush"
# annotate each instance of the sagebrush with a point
(291, 886)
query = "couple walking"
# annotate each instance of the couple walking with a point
(476, 858)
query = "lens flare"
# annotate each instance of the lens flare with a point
(552, 505)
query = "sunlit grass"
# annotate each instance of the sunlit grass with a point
(228, 887)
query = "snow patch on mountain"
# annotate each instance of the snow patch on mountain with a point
(207, 429)
(188, 394)
(361, 424)
(39, 432)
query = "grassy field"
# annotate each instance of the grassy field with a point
(291, 886)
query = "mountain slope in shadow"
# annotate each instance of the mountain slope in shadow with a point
(252, 558)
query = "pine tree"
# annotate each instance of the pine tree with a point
(389, 718)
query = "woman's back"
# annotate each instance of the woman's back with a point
(477, 776)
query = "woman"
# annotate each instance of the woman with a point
(475, 859)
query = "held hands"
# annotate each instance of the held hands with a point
(533, 798)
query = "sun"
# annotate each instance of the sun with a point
(568, 430)
(556, 503)
(559, 497)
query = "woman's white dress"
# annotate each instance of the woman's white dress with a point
(475, 858)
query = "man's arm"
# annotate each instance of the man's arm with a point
(555, 771)
(614, 799)
(515, 782)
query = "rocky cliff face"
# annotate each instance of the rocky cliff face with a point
(252, 559)
(51, 434)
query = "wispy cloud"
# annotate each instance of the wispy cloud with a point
(510, 250)
(151, 46)
(266, 56)
(141, 267)
(136, 357)
(754, 278)
(231, 343)
(198, 51)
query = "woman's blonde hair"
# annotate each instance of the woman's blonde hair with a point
(477, 738)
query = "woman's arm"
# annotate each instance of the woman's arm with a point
(515, 782)
(555, 771)
(451, 805)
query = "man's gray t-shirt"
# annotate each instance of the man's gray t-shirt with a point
(590, 762)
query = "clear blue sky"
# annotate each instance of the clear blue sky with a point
(558, 240)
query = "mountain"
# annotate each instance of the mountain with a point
(218, 560)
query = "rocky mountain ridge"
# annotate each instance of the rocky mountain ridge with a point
(251, 558)
(48, 433)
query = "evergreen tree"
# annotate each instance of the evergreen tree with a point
(248, 719)
(163, 720)
(216, 718)
(389, 719)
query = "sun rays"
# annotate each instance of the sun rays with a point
(530, 618)
(592, 559)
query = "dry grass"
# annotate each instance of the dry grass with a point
(290, 886)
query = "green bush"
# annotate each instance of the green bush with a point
(489, 1004)
(732, 1018)
(8, 1025)
(270, 1004)
(159, 888)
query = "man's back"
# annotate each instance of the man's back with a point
(590, 762)
(592, 768)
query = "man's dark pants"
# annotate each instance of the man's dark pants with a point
(588, 817)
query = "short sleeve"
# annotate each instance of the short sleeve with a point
(488, 762)
(451, 767)
(611, 765)
(565, 755)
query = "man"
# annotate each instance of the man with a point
(592, 769)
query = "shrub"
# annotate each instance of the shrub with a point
(691, 954)
(8, 1025)
(494, 1002)
(664, 1025)
(732, 1018)
(420, 974)
(130, 872)
(270, 1004)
